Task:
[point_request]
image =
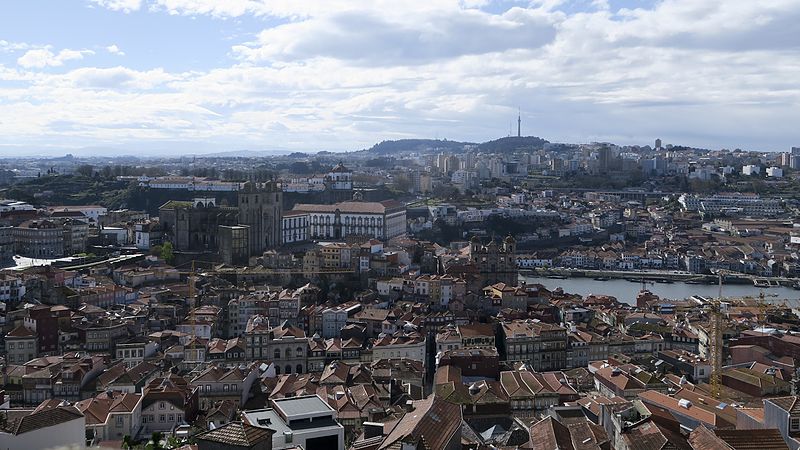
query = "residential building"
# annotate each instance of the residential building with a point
(39, 239)
(285, 345)
(22, 345)
(541, 345)
(167, 403)
(112, 415)
(53, 424)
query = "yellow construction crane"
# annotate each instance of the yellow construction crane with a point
(716, 344)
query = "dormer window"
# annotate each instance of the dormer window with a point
(794, 423)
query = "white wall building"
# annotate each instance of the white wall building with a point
(774, 172)
(381, 220)
(751, 169)
(294, 227)
(307, 422)
(47, 428)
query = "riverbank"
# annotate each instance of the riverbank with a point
(625, 291)
(659, 276)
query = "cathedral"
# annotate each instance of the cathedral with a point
(495, 263)
(261, 208)
(195, 226)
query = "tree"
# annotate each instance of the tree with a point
(155, 442)
(167, 253)
(85, 170)
(127, 442)
(403, 183)
(299, 167)
(174, 442)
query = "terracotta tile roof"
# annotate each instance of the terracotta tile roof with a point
(789, 404)
(649, 435)
(476, 330)
(765, 439)
(44, 418)
(704, 439)
(672, 404)
(237, 434)
(756, 414)
(98, 408)
(433, 421)
(551, 434)
(21, 331)
(349, 207)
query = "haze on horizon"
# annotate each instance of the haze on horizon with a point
(200, 76)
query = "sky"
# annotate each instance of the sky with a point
(196, 76)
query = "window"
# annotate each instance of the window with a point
(225, 387)
(162, 405)
(162, 418)
(120, 421)
(795, 423)
(172, 417)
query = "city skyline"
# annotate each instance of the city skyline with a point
(153, 76)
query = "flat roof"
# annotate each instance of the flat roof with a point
(294, 408)
(266, 418)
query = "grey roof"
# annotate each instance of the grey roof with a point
(266, 418)
(306, 406)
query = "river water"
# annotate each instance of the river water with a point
(625, 291)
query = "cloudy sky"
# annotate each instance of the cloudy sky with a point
(194, 76)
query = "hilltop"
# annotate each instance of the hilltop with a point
(502, 145)
(417, 145)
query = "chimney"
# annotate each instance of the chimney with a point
(376, 414)
(372, 429)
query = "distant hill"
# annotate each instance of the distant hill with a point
(417, 145)
(512, 143)
(502, 145)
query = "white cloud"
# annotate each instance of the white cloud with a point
(43, 57)
(118, 78)
(114, 50)
(379, 38)
(6, 46)
(712, 73)
(125, 6)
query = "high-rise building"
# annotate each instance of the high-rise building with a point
(794, 162)
(234, 247)
(658, 144)
(260, 208)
